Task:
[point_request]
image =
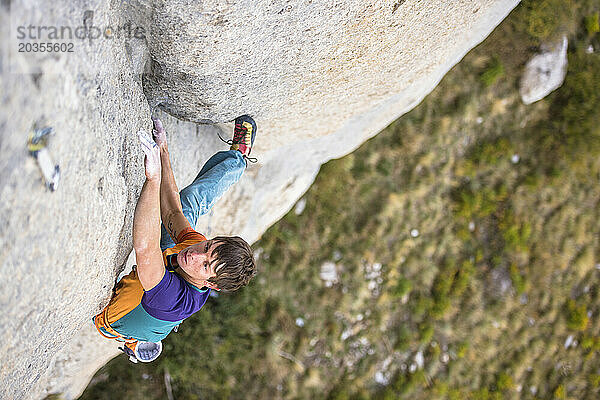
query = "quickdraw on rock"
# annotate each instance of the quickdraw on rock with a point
(37, 146)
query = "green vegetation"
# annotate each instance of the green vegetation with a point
(546, 19)
(592, 23)
(577, 318)
(502, 272)
(493, 72)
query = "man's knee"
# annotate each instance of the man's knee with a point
(192, 197)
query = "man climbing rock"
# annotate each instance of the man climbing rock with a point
(177, 267)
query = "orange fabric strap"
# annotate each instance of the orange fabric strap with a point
(100, 322)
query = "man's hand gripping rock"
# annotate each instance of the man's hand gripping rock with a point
(152, 159)
(158, 133)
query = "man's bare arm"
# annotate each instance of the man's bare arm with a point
(170, 205)
(146, 220)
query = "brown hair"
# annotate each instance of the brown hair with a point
(235, 263)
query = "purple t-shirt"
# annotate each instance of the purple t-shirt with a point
(173, 299)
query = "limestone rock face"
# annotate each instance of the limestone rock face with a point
(319, 77)
(544, 73)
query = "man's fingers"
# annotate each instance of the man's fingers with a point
(151, 156)
(157, 124)
(143, 139)
(147, 145)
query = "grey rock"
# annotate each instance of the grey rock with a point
(499, 283)
(544, 73)
(320, 78)
(329, 273)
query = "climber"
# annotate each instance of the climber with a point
(177, 267)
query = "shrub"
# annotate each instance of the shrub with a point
(575, 106)
(426, 332)
(485, 394)
(421, 305)
(440, 292)
(384, 167)
(463, 278)
(440, 389)
(591, 343)
(577, 318)
(466, 202)
(504, 382)
(493, 72)
(517, 279)
(403, 339)
(403, 287)
(546, 19)
(440, 306)
(401, 383)
(489, 153)
(477, 204)
(461, 349)
(516, 235)
(560, 392)
(456, 394)
(592, 23)
(594, 380)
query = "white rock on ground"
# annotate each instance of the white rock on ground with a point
(544, 73)
(419, 359)
(320, 79)
(569, 341)
(328, 273)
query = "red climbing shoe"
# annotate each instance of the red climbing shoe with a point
(243, 134)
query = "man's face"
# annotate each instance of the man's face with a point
(198, 260)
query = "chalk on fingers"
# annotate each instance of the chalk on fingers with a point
(145, 140)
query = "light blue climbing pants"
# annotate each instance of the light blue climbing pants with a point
(216, 176)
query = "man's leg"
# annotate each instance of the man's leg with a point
(216, 176)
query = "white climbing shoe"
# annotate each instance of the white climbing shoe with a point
(148, 351)
(142, 351)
